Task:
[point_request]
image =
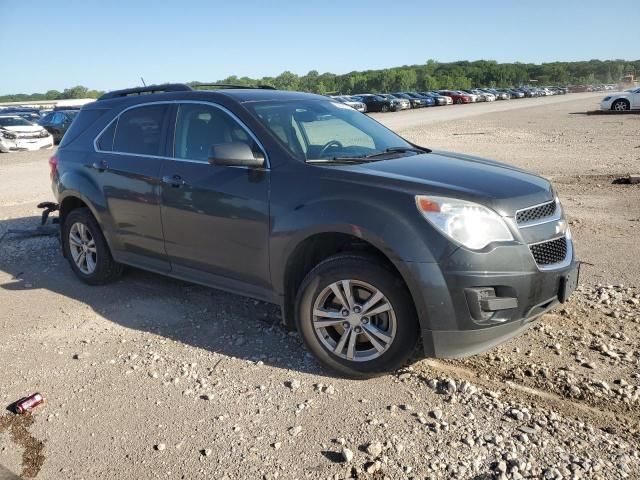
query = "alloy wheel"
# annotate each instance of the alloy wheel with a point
(83, 248)
(354, 320)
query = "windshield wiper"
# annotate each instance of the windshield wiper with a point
(345, 160)
(397, 150)
(368, 158)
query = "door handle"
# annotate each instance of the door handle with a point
(101, 166)
(176, 181)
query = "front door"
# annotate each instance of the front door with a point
(215, 218)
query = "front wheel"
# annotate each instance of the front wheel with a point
(620, 105)
(356, 316)
(385, 108)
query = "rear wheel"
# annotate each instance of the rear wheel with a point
(356, 316)
(620, 105)
(86, 249)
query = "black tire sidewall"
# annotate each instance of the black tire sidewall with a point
(367, 270)
(105, 265)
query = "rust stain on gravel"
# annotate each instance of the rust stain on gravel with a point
(32, 456)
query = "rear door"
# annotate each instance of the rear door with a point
(215, 218)
(127, 163)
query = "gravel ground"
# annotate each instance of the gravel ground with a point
(155, 378)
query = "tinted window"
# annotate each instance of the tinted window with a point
(139, 130)
(199, 126)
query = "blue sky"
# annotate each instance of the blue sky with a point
(110, 44)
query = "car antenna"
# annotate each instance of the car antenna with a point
(143, 82)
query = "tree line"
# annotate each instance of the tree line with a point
(431, 75)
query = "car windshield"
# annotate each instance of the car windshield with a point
(317, 129)
(13, 122)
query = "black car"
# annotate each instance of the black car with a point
(58, 122)
(374, 103)
(370, 244)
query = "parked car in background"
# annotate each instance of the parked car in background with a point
(397, 104)
(415, 102)
(388, 246)
(426, 100)
(515, 93)
(456, 96)
(439, 99)
(355, 104)
(448, 100)
(621, 101)
(58, 122)
(479, 95)
(374, 103)
(16, 133)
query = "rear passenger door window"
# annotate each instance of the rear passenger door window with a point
(199, 126)
(139, 131)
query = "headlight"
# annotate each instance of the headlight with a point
(8, 135)
(44, 133)
(606, 98)
(469, 224)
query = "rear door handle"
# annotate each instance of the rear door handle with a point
(176, 181)
(101, 166)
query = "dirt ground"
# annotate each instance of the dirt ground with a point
(155, 378)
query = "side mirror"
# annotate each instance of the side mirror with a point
(235, 154)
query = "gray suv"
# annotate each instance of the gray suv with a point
(370, 244)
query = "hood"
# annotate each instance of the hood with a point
(501, 187)
(23, 128)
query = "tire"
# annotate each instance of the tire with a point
(398, 325)
(620, 105)
(80, 230)
(458, 101)
(384, 109)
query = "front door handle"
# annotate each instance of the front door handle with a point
(176, 181)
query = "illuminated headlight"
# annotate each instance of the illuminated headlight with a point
(9, 135)
(466, 223)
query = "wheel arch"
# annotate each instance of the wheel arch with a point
(318, 246)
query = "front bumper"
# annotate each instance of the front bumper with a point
(450, 324)
(606, 104)
(31, 144)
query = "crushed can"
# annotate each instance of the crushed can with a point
(26, 404)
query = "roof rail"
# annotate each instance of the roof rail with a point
(228, 85)
(167, 87)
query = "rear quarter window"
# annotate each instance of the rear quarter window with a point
(83, 120)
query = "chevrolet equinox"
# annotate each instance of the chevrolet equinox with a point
(370, 244)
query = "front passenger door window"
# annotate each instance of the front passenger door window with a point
(200, 126)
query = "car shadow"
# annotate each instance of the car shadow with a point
(201, 317)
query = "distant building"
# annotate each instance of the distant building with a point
(49, 104)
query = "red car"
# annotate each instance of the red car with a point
(456, 96)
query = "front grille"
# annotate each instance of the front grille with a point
(551, 252)
(536, 213)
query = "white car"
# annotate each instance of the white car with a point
(359, 106)
(627, 100)
(16, 133)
